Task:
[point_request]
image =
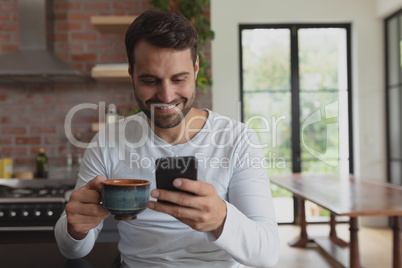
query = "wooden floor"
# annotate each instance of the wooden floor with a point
(375, 245)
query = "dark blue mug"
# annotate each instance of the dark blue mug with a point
(125, 198)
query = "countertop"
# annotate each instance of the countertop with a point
(43, 255)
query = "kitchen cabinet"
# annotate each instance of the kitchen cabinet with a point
(116, 72)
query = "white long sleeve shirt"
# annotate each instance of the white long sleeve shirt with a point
(228, 157)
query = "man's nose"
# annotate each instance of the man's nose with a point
(165, 92)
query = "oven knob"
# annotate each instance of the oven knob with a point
(37, 213)
(25, 213)
(49, 213)
(13, 213)
(1, 214)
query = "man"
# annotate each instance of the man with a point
(229, 220)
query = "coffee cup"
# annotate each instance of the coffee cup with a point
(125, 198)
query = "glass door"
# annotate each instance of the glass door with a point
(295, 80)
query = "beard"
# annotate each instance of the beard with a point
(165, 121)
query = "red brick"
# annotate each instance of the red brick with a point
(88, 67)
(12, 151)
(29, 119)
(60, 16)
(67, 6)
(69, 27)
(90, 28)
(41, 109)
(145, 5)
(51, 140)
(63, 56)
(9, 27)
(24, 161)
(97, 6)
(84, 57)
(4, 17)
(60, 37)
(53, 120)
(112, 37)
(27, 140)
(5, 38)
(76, 47)
(43, 130)
(100, 47)
(13, 109)
(30, 98)
(9, 7)
(13, 130)
(48, 151)
(126, 6)
(84, 119)
(6, 141)
(6, 119)
(84, 37)
(50, 98)
(9, 48)
(78, 66)
(80, 16)
(113, 57)
(5, 99)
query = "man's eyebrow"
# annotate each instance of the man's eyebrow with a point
(154, 76)
(147, 76)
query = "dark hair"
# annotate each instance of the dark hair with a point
(161, 29)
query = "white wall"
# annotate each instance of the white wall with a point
(386, 8)
(367, 63)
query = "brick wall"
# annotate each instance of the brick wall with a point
(32, 116)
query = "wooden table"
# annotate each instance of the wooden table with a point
(345, 195)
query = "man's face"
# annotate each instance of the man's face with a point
(164, 83)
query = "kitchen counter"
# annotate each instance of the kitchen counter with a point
(48, 255)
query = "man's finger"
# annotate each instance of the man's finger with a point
(196, 187)
(96, 183)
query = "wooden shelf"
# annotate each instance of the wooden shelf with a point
(112, 24)
(117, 25)
(116, 72)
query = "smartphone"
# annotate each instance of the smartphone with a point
(170, 168)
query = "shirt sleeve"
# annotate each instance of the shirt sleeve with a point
(250, 233)
(92, 166)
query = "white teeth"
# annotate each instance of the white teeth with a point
(164, 107)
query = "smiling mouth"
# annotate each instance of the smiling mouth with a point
(163, 106)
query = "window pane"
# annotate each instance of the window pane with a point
(394, 110)
(324, 131)
(268, 113)
(266, 59)
(322, 59)
(393, 52)
(396, 172)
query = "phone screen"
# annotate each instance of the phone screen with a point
(170, 168)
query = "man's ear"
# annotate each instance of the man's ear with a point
(196, 67)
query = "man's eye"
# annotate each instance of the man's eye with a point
(149, 82)
(178, 80)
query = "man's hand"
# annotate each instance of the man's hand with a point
(83, 209)
(205, 211)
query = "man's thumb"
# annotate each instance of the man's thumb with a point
(96, 183)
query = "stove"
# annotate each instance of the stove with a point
(32, 206)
